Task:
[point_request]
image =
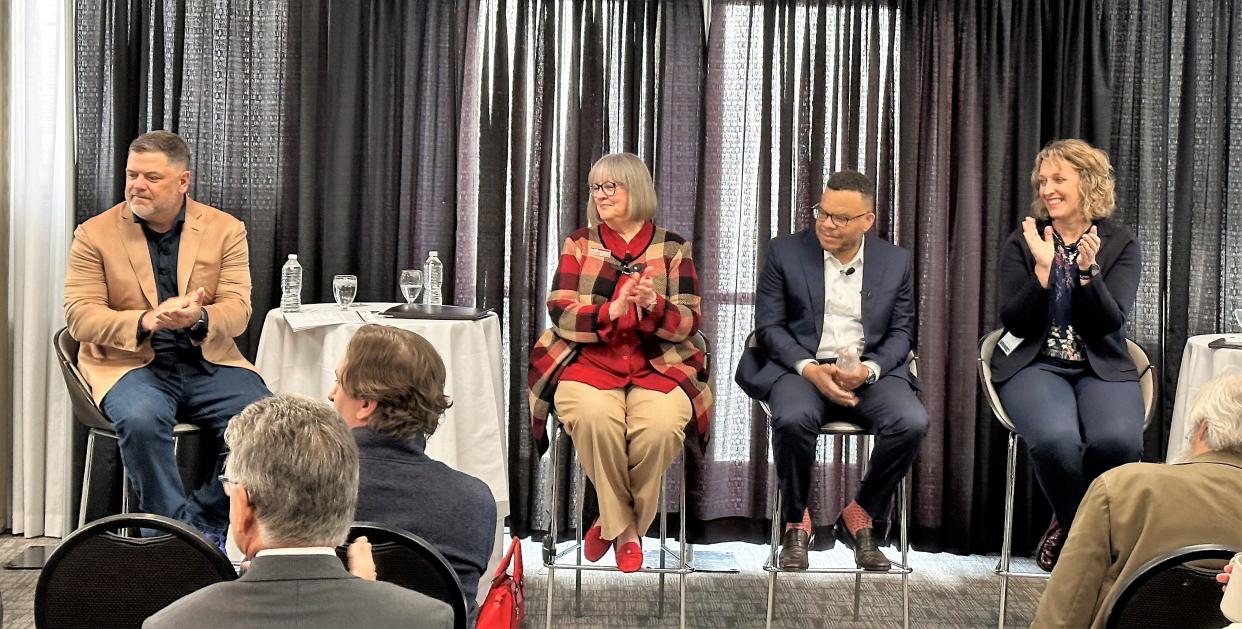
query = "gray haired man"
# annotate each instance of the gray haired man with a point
(292, 480)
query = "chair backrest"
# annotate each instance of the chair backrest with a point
(405, 559)
(1169, 591)
(704, 344)
(987, 346)
(97, 578)
(1147, 380)
(84, 407)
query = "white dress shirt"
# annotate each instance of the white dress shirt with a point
(842, 310)
(305, 550)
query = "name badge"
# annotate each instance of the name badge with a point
(1008, 343)
(596, 252)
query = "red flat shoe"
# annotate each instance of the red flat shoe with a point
(594, 546)
(630, 557)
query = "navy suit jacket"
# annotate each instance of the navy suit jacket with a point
(789, 311)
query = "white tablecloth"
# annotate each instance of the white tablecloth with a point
(1200, 363)
(472, 437)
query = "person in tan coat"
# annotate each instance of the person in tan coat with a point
(1136, 512)
(156, 290)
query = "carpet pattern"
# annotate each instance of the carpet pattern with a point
(946, 591)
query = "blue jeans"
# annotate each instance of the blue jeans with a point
(1076, 426)
(146, 403)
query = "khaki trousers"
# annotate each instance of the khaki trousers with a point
(625, 439)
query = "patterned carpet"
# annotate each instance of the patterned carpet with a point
(946, 591)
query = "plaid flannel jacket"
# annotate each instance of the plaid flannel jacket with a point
(584, 282)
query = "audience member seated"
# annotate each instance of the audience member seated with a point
(618, 362)
(157, 288)
(1134, 513)
(1068, 279)
(390, 392)
(292, 481)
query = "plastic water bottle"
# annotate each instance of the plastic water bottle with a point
(847, 359)
(433, 276)
(291, 285)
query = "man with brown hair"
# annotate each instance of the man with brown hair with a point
(157, 288)
(390, 391)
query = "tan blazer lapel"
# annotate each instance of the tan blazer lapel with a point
(139, 255)
(191, 237)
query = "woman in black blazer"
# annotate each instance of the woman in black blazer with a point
(1063, 371)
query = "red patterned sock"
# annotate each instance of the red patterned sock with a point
(856, 518)
(805, 524)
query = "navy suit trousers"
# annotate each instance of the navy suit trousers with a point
(1076, 426)
(887, 409)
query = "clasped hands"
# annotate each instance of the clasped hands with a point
(634, 292)
(835, 383)
(175, 313)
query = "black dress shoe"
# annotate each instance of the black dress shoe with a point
(1050, 546)
(867, 554)
(794, 546)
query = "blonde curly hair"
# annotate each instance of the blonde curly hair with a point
(1095, 177)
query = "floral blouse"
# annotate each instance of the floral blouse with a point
(1062, 342)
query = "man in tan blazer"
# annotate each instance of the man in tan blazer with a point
(1134, 513)
(157, 288)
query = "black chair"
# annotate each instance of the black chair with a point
(195, 453)
(1176, 589)
(98, 578)
(405, 559)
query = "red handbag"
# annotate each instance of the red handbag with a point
(505, 605)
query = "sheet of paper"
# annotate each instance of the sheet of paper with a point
(316, 318)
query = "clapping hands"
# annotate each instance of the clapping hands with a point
(634, 292)
(175, 313)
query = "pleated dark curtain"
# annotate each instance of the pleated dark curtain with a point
(985, 85)
(794, 92)
(548, 92)
(329, 127)
(362, 134)
(144, 64)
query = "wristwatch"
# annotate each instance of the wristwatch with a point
(200, 326)
(1092, 272)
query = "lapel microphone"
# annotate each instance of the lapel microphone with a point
(629, 267)
(849, 271)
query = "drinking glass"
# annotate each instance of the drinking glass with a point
(411, 284)
(344, 288)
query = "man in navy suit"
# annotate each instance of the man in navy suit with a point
(835, 324)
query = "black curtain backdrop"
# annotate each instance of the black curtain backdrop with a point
(362, 134)
(985, 85)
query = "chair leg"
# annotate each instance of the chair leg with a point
(663, 498)
(550, 557)
(682, 546)
(83, 502)
(864, 456)
(773, 558)
(905, 551)
(579, 498)
(1011, 474)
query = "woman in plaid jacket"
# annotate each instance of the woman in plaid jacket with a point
(618, 363)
